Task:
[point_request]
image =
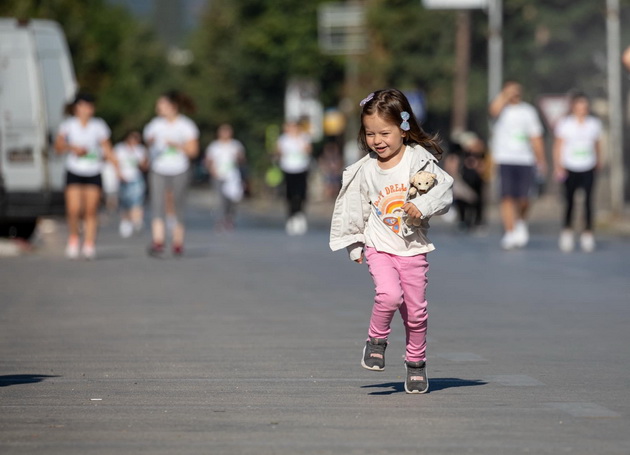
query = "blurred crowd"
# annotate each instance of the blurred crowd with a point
(157, 162)
(155, 167)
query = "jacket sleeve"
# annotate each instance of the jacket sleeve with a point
(438, 199)
(355, 250)
(348, 220)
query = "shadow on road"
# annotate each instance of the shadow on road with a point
(435, 385)
(17, 379)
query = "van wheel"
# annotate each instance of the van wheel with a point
(22, 228)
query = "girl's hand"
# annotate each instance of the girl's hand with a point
(411, 210)
(560, 174)
(79, 151)
(360, 260)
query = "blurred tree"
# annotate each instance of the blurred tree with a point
(555, 46)
(115, 57)
(410, 49)
(245, 53)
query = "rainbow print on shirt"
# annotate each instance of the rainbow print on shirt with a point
(388, 206)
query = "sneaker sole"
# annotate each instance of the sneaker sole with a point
(417, 391)
(364, 365)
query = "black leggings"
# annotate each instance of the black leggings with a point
(296, 191)
(574, 181)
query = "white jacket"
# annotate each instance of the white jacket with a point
(352, 207)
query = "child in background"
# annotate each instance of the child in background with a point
(367, 220)
(132, 159)
(224, 157)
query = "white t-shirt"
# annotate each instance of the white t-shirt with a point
(387, 190)
(512, 133)
(225, 159)
(90, 137)
(578, 142)
(129, 160)
(294, 155)
(224, 156)
(169, 160)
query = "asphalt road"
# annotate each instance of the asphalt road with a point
(251, 343)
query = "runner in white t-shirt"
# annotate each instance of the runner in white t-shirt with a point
(224, 158)
(133, 160)
(293, 150)
(577, 157)
(518, 148)
(173, 140)
(85, 141)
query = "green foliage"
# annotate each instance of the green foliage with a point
(245, 53)
(411, 48)
(554, 46)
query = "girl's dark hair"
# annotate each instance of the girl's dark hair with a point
(182, 101)
(388, 105)
(80, 96)
(575, 96)
(132, 133)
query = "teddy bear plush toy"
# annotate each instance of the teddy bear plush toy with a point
(420, 183)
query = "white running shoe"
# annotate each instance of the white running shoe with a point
(507, 242)
(566, 241)
(89, 252)
(290, 226)
(587, 242)
(125, 229)
(301, 225)
(521, 234)
(72, 250)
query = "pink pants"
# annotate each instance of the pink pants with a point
(401, 283)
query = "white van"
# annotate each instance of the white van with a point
(36, 82)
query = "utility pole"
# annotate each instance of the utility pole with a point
(615, 112)
(459, 115)
(495, 48)
(495, 43)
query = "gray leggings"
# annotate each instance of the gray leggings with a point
(177, 185)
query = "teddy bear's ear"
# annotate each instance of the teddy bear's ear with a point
(433, 175)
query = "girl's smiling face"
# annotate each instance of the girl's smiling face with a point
(386, 139)
(165, 108)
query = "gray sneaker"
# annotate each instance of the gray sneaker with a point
(417, 380)
(374, 354)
